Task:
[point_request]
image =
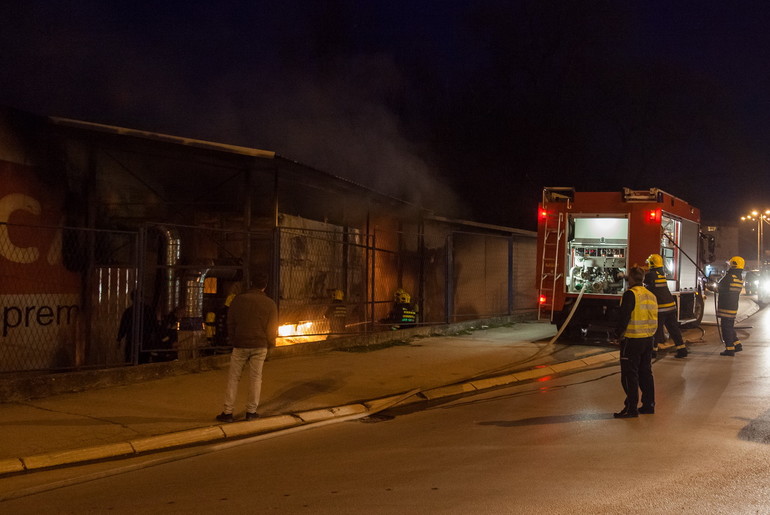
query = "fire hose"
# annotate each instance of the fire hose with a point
(716, 293)
(569, 317)
(716, 312)
(719, 326)
(671, 240)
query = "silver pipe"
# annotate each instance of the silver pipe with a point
(194, 294)
(173, 250)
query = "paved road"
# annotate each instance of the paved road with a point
(544, 446)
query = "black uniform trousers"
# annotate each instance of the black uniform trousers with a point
(728, 332)
(668, 319)
(636, 372)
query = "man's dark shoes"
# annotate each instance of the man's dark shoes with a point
(681, 353)
(626, 414)
(647, 410)
(225, 417)
(252, 416)
(738, 347)
(727, 353)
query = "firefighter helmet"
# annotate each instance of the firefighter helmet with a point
(655, 261)
(737, 262)
(338, 295)
(401, 296)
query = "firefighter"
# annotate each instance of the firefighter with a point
(220, 318)
(729, 291)
(337, 312)
(403, 312)
(637, 325)
(216, 321)
(655, 281)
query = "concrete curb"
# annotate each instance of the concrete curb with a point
(278, 423)
(11, 466)
(747, 314)
(517, 377)
(198, 436)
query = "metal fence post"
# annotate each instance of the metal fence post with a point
(510, 275)
(138, 300)
(373, 279)
(276, 266)
(448, 279)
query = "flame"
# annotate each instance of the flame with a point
(286, 330)
(301, 332)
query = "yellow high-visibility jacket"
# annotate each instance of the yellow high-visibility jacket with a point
(644, 316)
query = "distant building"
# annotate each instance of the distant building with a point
(727, 241)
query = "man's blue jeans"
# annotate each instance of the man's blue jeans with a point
(255, 358)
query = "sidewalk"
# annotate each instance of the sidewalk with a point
(747, 306)
(297, 390)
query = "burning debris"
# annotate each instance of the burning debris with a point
(305, 331)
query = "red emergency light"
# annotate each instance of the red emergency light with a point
(654, 216)
(542, 299)
(543, 214)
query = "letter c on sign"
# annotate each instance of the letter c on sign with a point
(9, 204)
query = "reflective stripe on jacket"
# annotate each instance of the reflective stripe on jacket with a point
(644, 317)
(729, 289)
(655, 281)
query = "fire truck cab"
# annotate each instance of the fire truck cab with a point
(588, 240)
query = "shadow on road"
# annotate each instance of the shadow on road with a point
(554, 419)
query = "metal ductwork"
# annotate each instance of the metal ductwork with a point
(172, 252)
(194, 293)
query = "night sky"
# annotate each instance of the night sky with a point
(468, 107)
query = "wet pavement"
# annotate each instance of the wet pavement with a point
(179, 410)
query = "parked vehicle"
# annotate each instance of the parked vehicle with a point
(751, 282)
(757, 282)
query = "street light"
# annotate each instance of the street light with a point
(758, 217)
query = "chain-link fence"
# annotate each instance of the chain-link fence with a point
(79, 298)
(62, 292)
(453, 275)
(322, 279)
(187, 279)
(395, 267)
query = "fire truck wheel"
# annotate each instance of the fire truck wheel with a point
(698, 312)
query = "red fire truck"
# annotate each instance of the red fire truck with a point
(588, 240)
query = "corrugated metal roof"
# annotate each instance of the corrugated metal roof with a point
(222, 147)
(479, 225)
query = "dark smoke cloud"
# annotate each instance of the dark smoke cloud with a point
(207, 77)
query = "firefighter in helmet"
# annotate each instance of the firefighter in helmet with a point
(655, 281)
(337, 312)
(216, 321)
(403, 311)
(729, 291)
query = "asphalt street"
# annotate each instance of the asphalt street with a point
(169, 412)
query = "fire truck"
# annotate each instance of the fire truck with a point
(588, 240)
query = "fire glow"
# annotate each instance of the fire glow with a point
(301, 332)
